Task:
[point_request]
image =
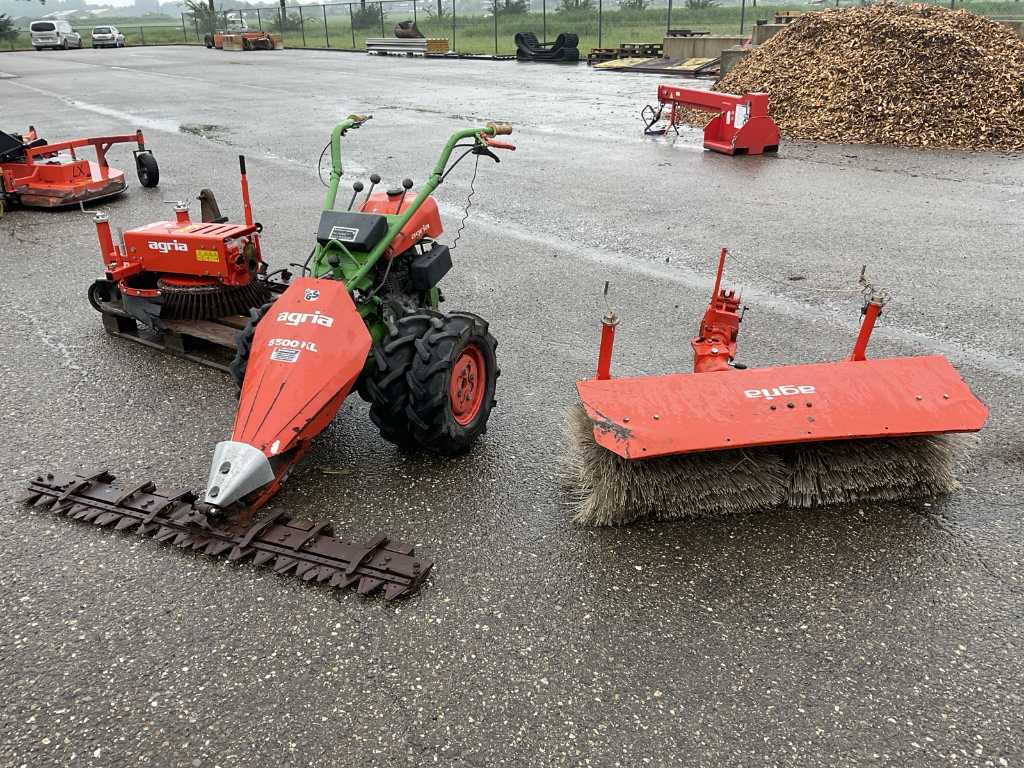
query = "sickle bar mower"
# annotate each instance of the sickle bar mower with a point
(726, 438)
(363, 315)
(299, 547)
(36, 173)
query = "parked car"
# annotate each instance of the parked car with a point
(55, 33)
(107, 37)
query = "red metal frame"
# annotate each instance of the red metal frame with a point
(715, 344)
(742, 125)
(722, 406)
(44, 180)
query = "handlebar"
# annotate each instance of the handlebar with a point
(481, 136)
(498, 144)
(500, 129)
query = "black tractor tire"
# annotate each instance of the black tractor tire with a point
(244, 344)
(458, 344)
(386, 387)
(147, 170)
(208, 41)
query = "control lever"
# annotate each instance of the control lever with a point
(357, 187)
(483, 149)
(374, 181)
(406, 186)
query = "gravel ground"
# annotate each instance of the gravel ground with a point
(881, 635)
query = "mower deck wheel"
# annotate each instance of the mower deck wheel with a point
(245, 337)
(386, 385)
(147, 169)
(451, 383)
(103, 292)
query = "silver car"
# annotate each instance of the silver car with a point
(107, 37)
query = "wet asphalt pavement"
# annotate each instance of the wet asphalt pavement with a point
(879, 635)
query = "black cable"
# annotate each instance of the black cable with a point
(469, 203)
(451, 167)
(383, 280)
(320, 164)
(305, 264)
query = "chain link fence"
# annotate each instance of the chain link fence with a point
(488, 28)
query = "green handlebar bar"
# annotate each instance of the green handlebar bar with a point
(354, 121)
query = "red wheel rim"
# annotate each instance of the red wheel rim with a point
(466, 390)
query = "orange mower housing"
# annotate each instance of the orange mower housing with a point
(39, 174)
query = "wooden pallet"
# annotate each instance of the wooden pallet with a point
(661, 66)
(598, 55)
(625, 51)
(636, 50)
(407, 46)
(208, 342)
(785, 17)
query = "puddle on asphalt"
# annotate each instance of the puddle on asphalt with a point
(218, 133)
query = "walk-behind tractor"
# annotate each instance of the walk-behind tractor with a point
(39, 174)
(363, 314)
(727, 438)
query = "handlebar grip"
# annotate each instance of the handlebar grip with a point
(500, 129)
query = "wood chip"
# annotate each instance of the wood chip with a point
(916, 76)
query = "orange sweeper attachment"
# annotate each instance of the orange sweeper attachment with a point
(727, 438)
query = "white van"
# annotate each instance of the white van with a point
(55, 33)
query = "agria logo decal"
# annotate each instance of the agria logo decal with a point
(786, 390)
(166, 247)
(298, 318)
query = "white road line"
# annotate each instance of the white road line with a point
(957, 353)
(136, 120)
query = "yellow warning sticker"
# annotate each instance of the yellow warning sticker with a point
(205, 255)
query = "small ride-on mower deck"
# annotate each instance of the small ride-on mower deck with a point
(42, 175)
(363, 315)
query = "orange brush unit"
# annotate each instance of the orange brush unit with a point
(183, 269)
(730, 438)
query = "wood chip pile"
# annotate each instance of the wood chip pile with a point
(912, 75)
